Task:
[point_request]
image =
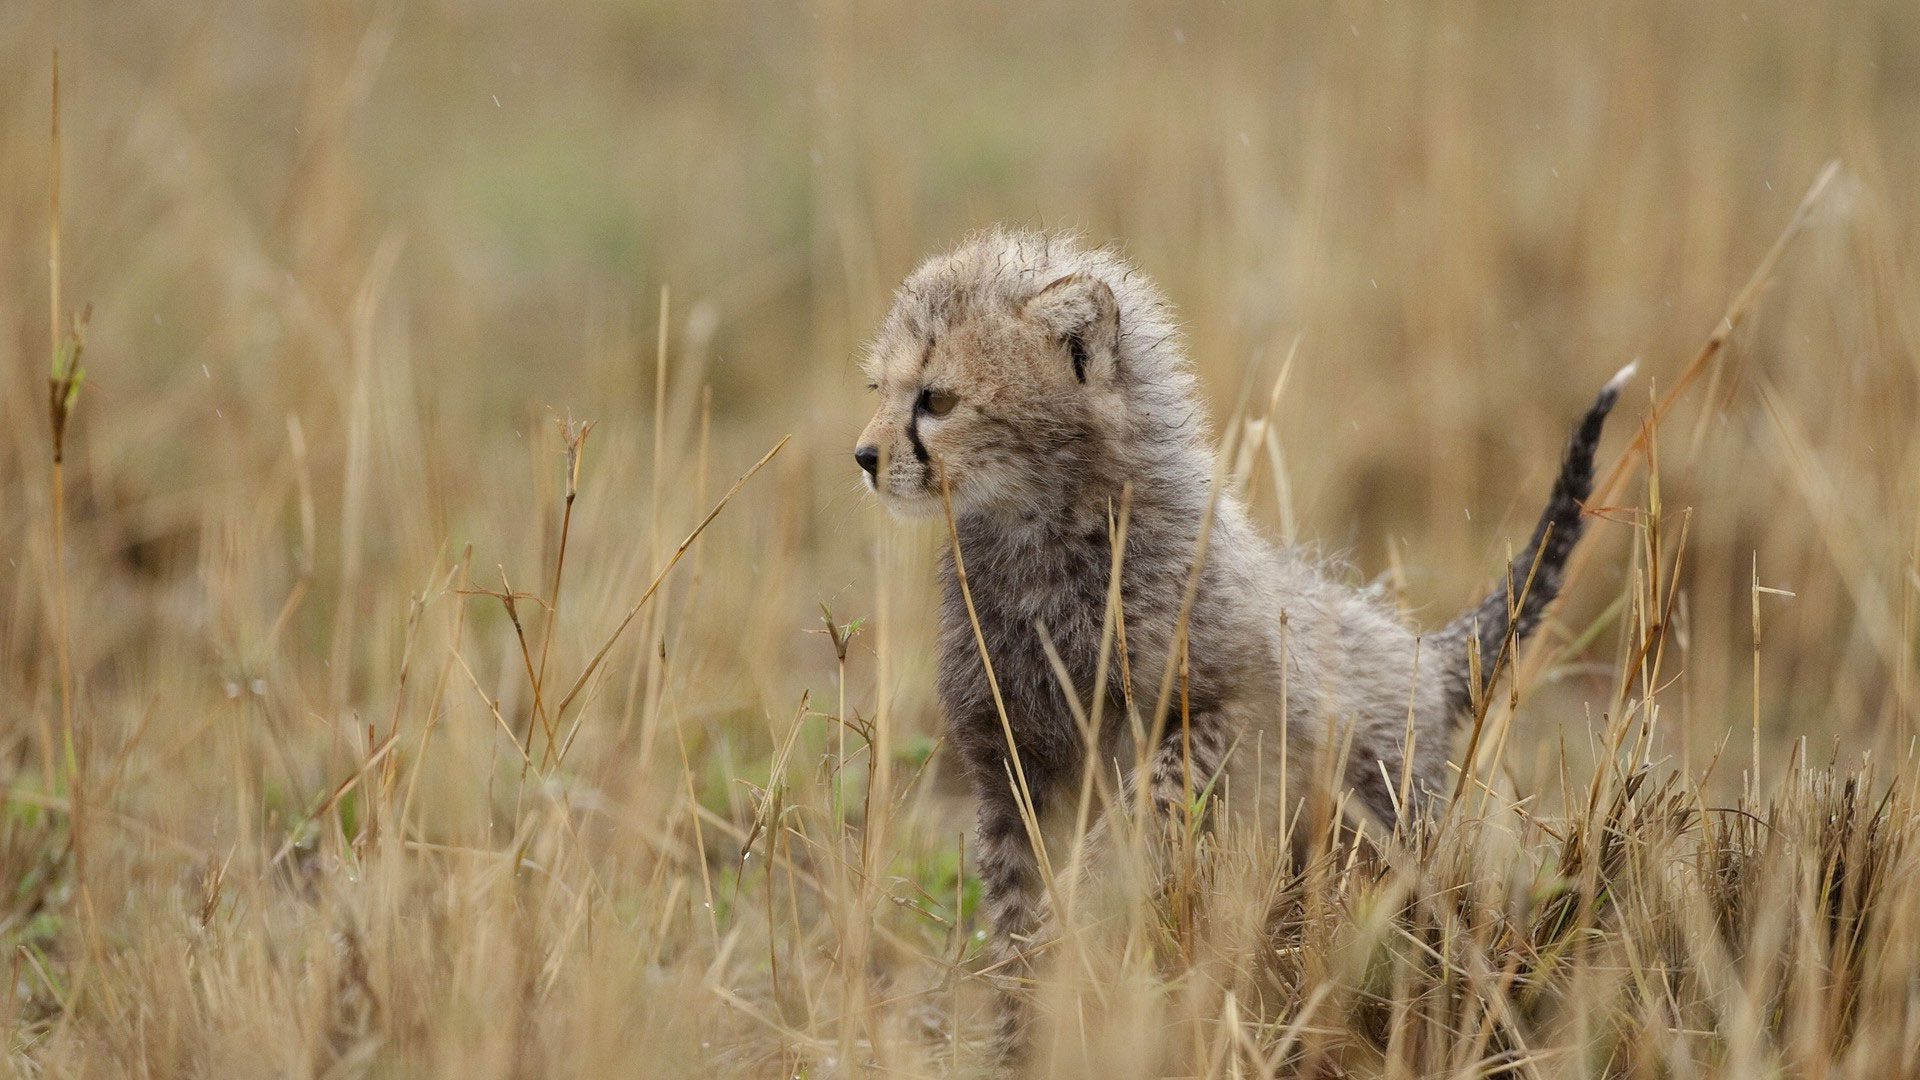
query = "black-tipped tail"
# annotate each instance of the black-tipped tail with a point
(1484, 639)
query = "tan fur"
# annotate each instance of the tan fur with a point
(1070, 394)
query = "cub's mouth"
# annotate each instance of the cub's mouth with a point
(907, 497)
(908, 489)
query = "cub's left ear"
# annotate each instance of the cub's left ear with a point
(1080, 310)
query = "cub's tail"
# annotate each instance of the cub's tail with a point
(1484, 639)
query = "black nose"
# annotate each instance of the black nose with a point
(868, 457)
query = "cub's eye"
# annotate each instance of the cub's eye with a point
(872, 386)
(937, 402)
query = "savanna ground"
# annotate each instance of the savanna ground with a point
(342, 739)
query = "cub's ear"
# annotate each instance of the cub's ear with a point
(1081, 312)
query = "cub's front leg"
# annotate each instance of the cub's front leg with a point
(1012, 893)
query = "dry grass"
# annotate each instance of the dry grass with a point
(366, 717)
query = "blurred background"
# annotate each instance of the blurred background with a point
(347, 261)
(414, 230)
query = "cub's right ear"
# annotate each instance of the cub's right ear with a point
(1081, 312)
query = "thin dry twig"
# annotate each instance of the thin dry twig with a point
(654, 586)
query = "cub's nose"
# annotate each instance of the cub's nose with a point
(868, 457)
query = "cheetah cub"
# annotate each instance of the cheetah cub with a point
(1038, 384)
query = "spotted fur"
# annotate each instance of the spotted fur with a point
(1071, 394)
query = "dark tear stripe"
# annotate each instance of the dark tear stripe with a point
(913, 438)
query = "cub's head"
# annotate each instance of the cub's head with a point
(1018, 368)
